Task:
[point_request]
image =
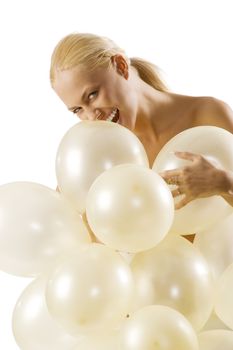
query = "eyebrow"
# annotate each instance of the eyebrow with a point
(82, 99)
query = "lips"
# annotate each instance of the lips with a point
(112, 117)
(116, 118)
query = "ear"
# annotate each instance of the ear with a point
(120, 65)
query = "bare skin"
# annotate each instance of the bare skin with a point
(183, 113)
(154, 117)
(196, 111)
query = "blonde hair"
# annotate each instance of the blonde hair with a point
(94, 51)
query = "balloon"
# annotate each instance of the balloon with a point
(223, 299)
(90, 290)
(127, 256)
(130, 208)
(107, 340)
(88, 149)
(37, 225)
(158, 327)
(175, 274)
(33, 326)
(218, 339)
(216, 244)
(203, 212)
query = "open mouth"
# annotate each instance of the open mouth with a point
(114, 116)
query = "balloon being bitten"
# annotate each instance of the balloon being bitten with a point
(88, 149)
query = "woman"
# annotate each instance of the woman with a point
(96, 80)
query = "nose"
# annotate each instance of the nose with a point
(93, 114)
(98, 114)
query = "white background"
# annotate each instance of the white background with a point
(190, 40)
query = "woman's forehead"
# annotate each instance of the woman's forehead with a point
(81, 75)
(73, 82)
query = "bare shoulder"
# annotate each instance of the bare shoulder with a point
(212, 111)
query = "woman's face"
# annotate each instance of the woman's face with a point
(105, 94)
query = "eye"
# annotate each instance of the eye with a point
(77, 110)
(92, 95)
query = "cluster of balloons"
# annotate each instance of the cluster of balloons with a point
(111, 268)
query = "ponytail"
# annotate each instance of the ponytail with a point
(149, 73)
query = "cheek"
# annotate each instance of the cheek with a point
(129, 102)
(119, 94)
(124, 97)
(106, 97)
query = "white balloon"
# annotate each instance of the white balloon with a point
(127, 256)
(88, 149)
(105, 340)
(90, 290)
(217, 145)
(33, 326)
(218, 339)
(216, 244)
(130, 208)
(174, 273)
(223, 298)
(37, 225)
(158, 327)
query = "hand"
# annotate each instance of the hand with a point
(198, 180)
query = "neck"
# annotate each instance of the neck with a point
(150, 104)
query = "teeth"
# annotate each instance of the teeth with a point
(112, 115)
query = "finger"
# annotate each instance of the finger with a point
(169, 174)
(182, 203)
(177, 192)
(187, 155)
(174, 180)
